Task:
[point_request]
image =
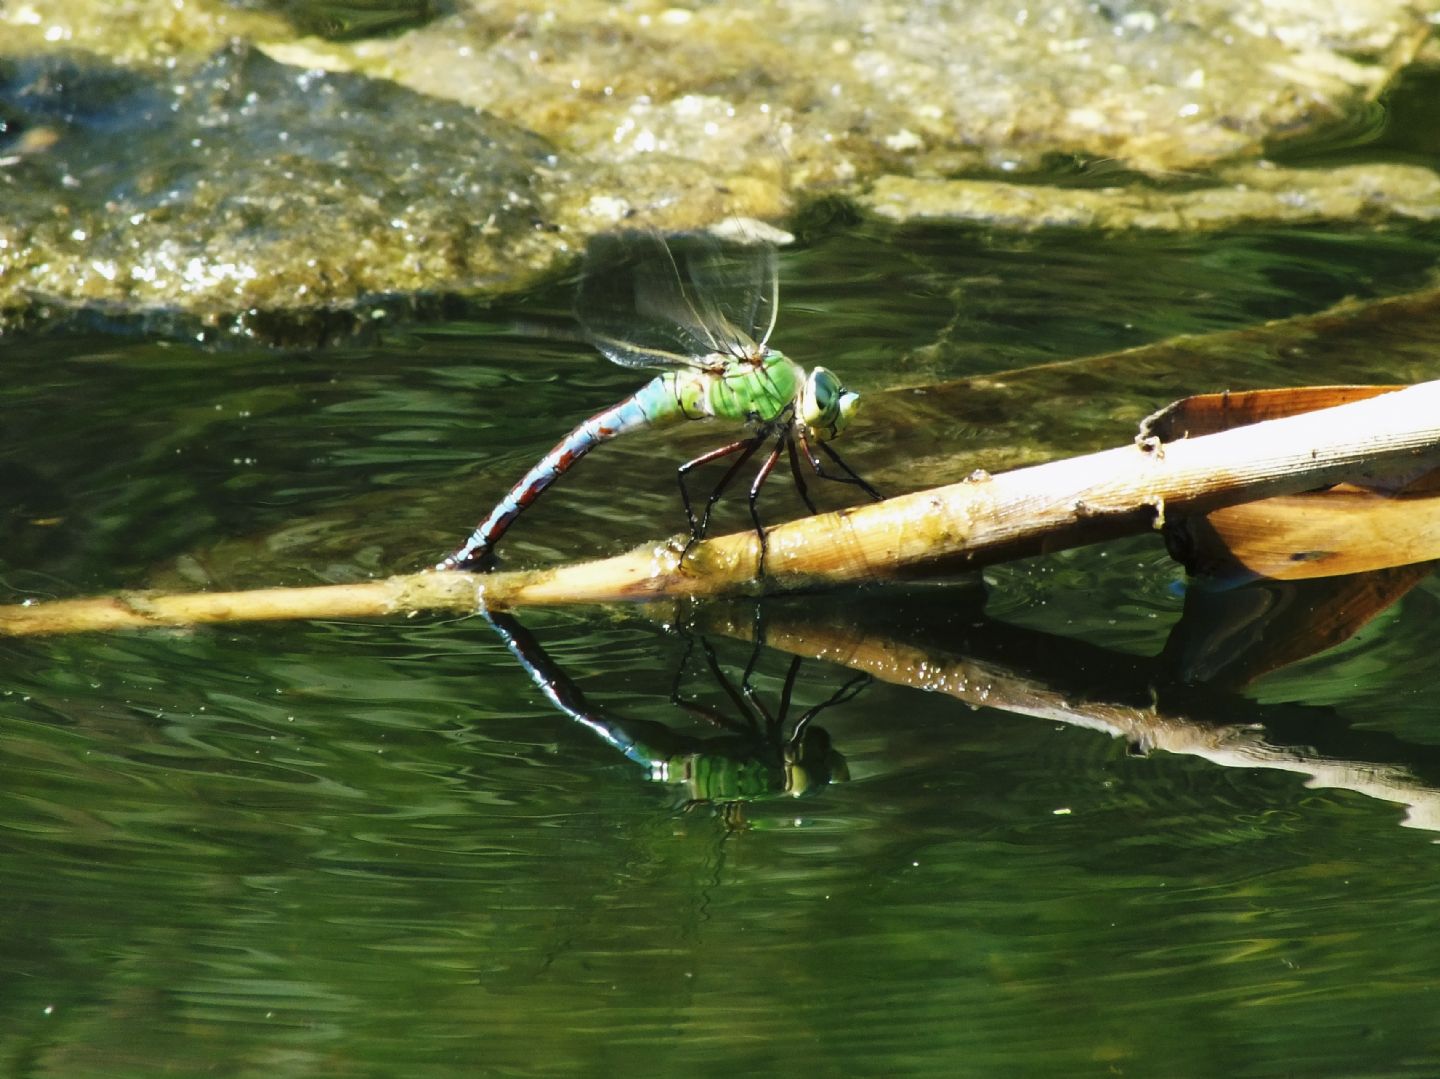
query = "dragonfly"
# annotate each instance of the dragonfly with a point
(702, 312)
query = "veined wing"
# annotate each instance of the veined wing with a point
(648, 301)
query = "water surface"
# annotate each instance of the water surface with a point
(376, 849)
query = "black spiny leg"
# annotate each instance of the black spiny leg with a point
(851, 476)
(797, 475)
(760, 478)
(746, 447)
(705, 459)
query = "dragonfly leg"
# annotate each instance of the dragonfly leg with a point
(854, 477)
(798, 476)
(760, 478)
(751, 445)
(851, 476)
(704, 459)
(746, 447)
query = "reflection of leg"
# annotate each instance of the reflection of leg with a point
(760, 478)
(704, 711)
(850, 689)
(757, 635)
(737, 697)
(680, 671)
(777, 722)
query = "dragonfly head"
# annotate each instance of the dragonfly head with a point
(825, 406)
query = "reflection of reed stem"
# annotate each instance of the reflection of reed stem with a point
(989, 684)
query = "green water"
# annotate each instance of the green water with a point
(375, 849)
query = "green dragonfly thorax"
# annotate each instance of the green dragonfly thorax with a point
(759, 393)
(754, 392)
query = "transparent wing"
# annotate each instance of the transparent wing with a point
(741, 284)
(652, 301)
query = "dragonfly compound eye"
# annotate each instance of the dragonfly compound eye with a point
(825, 405)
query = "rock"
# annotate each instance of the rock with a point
(254, 195)
(199, 165)
(1241, 195)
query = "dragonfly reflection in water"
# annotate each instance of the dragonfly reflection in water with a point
(753, 758)
(704, 313)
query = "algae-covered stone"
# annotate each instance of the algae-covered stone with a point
(166, 33)
(842, 90)
(254, 187)
(1240, 195)
(148, 167)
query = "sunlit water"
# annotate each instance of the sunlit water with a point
(376, 849)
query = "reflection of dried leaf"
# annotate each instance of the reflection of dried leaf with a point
(1231, 636)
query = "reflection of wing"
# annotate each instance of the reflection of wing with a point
(646, 301)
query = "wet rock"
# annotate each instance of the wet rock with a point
(1241, 195)
(148, 175)
(161, 34)
(249, 189)
(826, 92)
